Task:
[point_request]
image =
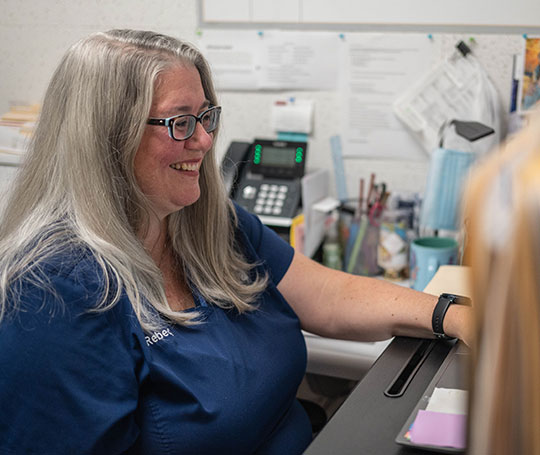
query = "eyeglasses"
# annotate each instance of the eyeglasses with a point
(182, 127)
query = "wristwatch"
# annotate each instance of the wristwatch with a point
(445, 300)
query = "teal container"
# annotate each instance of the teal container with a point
(427, 254)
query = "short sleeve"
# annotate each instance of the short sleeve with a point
(68, 377)
(269, 247)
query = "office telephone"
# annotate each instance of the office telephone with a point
(264, 177)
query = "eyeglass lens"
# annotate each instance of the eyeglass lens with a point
(184, 126)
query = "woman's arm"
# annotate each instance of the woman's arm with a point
(335, 304)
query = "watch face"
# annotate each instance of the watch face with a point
(456, 298)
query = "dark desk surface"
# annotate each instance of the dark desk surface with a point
(368, 421)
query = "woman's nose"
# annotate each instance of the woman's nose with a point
(200, 138)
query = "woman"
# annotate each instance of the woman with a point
(144, 313)
(503, 210)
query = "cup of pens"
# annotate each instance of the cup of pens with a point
(363, 239)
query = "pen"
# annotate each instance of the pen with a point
(360, 199)
(371, 188)
(515, 85)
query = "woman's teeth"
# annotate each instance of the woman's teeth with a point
(185, 166)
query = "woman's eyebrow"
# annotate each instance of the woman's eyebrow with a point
(179, 110)
(204, 105)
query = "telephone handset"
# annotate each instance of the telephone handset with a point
(264, 178)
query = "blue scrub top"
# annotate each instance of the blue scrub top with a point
(72, 381)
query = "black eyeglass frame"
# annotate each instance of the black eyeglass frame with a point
(169, 122)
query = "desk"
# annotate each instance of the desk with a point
(341, 358)
(368, 421)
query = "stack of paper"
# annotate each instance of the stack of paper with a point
(16, 126)
(444, 421)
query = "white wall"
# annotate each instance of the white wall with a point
(35, 33)
(6, 174)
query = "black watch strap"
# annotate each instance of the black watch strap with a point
(444, 302)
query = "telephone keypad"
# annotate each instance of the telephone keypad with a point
(276, 198)
(272, 205)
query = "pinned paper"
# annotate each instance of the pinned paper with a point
(439, 429)
(271, 59)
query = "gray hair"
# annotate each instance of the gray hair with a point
(77, 186)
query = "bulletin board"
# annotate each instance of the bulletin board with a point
(381, 48)
(493, 15)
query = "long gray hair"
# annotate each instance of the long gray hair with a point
(77, 187)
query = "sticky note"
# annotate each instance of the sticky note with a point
(450, 401)
(439, 429)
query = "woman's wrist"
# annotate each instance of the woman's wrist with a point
(458, 322)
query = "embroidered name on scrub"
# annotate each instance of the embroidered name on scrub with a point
(158, 336)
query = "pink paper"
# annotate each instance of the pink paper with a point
(439, 429)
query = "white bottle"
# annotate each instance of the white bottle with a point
(332, 253)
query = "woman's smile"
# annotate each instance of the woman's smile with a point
(190, 167)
